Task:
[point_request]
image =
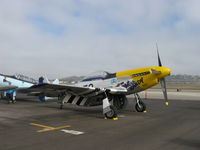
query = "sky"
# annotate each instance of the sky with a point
(60, 38)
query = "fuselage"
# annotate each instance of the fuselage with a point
(19, 81)
(15, 81)
(135, 80)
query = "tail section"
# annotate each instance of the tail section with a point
(43, 80)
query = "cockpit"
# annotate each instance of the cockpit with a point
(99, 75)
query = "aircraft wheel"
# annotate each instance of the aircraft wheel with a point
(140, 107)
(124, 102)
(120, 102)
(112, 113)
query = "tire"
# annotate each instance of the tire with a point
(120, 102)
(141, 107)
(111, 114)
(123, 102)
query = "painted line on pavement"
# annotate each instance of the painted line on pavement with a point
(48, 128)
(72, 132)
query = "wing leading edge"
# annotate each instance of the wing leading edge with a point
(57, 89)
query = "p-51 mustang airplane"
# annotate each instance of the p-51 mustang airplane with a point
(107, 88)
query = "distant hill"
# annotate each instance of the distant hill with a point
(183, 79)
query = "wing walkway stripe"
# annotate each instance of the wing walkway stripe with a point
(83, 101)
(75, 100)
(66, 99)
(71, 99)
(80, 100)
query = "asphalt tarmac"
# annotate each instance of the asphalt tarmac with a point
(31, 125)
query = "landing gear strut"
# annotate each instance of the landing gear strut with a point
(112, 113)
(139, 106)
(61, 100)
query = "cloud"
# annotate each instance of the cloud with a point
(62, 38)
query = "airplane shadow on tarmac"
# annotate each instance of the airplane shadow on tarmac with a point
(94, 111)
(189, 143)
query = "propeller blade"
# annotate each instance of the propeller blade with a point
(162, 81)
(164, 89)
(159, 61)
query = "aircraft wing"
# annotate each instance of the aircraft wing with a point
(57, 89)
(7, 87)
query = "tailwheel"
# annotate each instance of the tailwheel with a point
(112, 113)
(140, 106)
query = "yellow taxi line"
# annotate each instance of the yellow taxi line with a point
(48, 128)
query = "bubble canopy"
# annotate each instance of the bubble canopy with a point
(99, 75)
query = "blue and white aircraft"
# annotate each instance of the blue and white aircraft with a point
(19, 83)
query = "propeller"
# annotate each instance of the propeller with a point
(159, 61)
(162, 81)
(164, 89)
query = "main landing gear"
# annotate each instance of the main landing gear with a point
(109, 111)
(112, 113)
(61, 100)
(119, 102)
(139, 106)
